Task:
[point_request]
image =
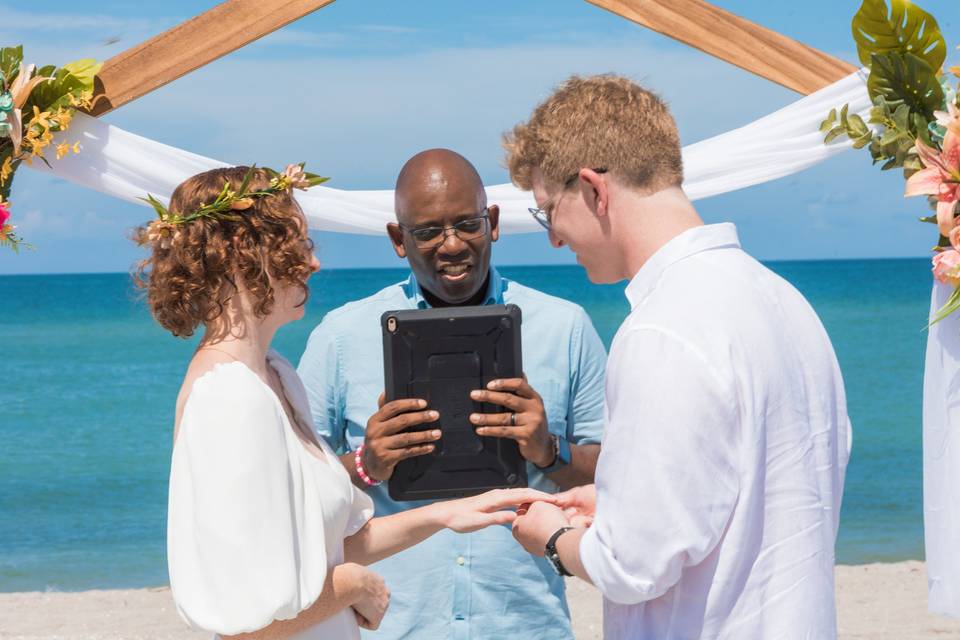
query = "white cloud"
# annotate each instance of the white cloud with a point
(26, 23)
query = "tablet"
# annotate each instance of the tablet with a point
(441, 355)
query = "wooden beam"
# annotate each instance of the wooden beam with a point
(745, 44)
(190, 45)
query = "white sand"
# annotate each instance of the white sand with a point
(875, 602)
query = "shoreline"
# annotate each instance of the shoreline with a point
(874, 602)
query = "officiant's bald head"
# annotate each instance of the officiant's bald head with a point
(441, 188)
(437, 174)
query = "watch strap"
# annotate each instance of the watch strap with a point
(550, 551)
(561, 454)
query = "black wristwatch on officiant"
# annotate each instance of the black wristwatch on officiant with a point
(550, 552)
(561, 454)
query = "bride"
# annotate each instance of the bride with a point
(266, 535)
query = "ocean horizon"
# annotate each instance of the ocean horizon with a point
(88, 383)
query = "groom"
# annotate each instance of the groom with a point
(479, 585)
(726, 438)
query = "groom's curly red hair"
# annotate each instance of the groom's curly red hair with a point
(598, 121)
(190, 277)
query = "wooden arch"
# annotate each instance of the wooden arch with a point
(235, 23)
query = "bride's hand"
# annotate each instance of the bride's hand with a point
(373, 596)
(478, 512)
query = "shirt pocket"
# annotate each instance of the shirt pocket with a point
(555, 397)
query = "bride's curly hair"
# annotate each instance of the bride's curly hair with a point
(193, 271)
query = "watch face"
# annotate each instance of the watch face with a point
(555, 563)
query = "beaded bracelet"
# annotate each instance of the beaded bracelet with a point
(358, 463)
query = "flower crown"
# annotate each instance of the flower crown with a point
(227, 202)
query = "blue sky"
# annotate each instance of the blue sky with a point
(356, 88)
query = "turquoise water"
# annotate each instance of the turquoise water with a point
(88, 384)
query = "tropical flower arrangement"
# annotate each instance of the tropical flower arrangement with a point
(35, 103)
(915, 119)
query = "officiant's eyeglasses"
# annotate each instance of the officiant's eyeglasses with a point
(543, 215)
(468, 229)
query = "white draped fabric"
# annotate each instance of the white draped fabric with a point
(128, 166)
(941, 458)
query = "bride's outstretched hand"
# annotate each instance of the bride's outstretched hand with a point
(493, 507)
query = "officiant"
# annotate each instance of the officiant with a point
(457, 586)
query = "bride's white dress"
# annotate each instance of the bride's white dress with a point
(255, 519)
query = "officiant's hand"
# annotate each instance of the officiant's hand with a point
(385, 446)
(525, 421)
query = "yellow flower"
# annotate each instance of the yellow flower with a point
(83, 101)
(64, 117)
(63, 149)
(40, 118)
(6, 170)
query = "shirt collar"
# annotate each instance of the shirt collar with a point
(495, 288)
(688, 243)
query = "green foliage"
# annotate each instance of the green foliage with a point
(10, 59)
(848, 125)
(903, 78)
(904, 49)
(953, 303)
(84, 70)
(57, 91)
(903, 28)
(899, 130)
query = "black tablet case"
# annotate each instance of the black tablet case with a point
(441, 355)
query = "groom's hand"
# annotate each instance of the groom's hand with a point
(534, 528)
(524, 421)
(385, 446)
(579, 504)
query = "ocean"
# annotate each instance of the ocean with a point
(88, 384)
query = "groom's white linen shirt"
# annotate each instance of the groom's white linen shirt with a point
(725, 445)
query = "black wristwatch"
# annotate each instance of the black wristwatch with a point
(551, 552)
(561, 454)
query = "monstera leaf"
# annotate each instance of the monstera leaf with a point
(905, 79)
(904, 28)
(55, 92)
(84, 71)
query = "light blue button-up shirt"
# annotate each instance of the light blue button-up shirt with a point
(482, 584)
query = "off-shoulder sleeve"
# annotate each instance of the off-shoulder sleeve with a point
(361, 510)
(235, 556)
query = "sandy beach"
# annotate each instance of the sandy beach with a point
(875, 602)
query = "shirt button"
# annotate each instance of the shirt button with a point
(461, 560)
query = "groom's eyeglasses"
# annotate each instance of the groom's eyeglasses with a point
(432, 237)
(543, 216)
